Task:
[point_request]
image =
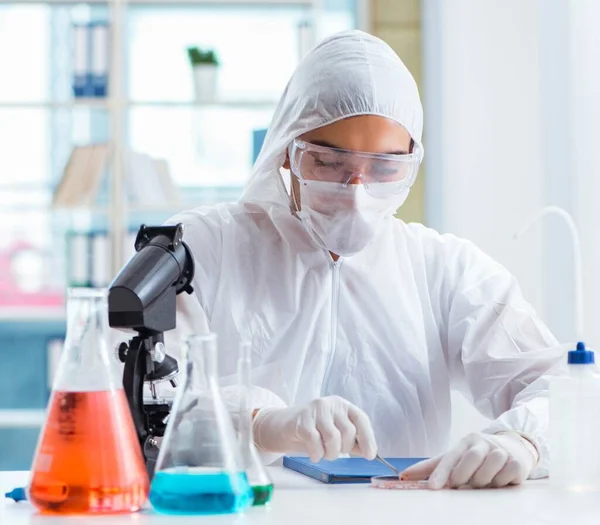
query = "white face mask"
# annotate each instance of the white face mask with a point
(344, 219)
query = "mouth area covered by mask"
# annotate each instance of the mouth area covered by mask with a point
(344, 218)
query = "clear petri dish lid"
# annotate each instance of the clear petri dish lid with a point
(394, 483)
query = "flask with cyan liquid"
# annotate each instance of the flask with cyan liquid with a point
(262, 486)
(88, 458)
(199, 469)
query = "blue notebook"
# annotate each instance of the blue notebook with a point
(348, 470)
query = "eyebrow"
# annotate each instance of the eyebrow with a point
(326, 144)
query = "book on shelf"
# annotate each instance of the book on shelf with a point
(87, 257)
(91, 56)
(147, 180)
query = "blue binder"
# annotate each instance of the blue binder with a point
(258, 137)
(91, 59)
(348, 470)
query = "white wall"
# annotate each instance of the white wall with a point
(482, 136)
(585, 154)
(512, 123)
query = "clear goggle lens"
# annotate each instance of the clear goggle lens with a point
(381, 173)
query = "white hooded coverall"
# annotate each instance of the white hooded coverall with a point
(391, 329)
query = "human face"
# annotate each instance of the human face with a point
(339, 215)
(362, 133)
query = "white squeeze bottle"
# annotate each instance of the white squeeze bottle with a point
(574, 397)
(575, 424)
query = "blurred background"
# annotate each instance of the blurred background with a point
(116, 113)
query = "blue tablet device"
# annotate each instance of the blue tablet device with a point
(348, 470)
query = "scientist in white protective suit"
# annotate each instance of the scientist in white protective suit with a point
(360, 324)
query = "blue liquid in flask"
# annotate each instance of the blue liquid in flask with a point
(199, 491)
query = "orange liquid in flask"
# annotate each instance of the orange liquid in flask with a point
(89, 459)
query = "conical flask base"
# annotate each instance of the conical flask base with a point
(88, 458)
(199, 490)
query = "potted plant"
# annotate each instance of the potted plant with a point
(205, 67)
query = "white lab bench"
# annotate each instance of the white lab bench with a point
(299, 500)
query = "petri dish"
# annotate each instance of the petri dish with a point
(393, 483)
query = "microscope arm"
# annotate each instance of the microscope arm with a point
(133, 382)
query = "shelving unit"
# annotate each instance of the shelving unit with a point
(117, 108)
(18, 427)
(117, 104)
(22, 418)
(32, 314)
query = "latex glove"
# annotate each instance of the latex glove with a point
(479, 460)
(325, 427)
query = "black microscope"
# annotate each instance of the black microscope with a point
(142, 299)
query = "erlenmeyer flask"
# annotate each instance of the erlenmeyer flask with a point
(88, 458)
(199, 470)
(261, 484)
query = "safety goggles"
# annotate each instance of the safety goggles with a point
(380, 173)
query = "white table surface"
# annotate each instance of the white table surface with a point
(301, 500)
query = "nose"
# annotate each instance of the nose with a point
(355, 178)
(355, 172)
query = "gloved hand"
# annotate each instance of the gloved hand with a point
(479, 460)
(325, 427)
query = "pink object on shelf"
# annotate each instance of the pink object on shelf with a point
(11, 295)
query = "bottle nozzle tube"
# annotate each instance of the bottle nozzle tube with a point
(577, 270)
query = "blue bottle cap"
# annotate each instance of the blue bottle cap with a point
(581, 356)
(17, 494)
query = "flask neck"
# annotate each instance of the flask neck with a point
(245, 396)
(87, 311)
(201, 362)
(85, 364)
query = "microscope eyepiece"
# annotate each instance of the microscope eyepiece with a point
(142, 296)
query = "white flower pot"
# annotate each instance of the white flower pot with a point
(205, 82)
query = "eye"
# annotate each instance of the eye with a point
(388, 173)
(324, 164)
(394, 177)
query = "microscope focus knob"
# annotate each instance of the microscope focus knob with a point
(121, 352)
(158, 353)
